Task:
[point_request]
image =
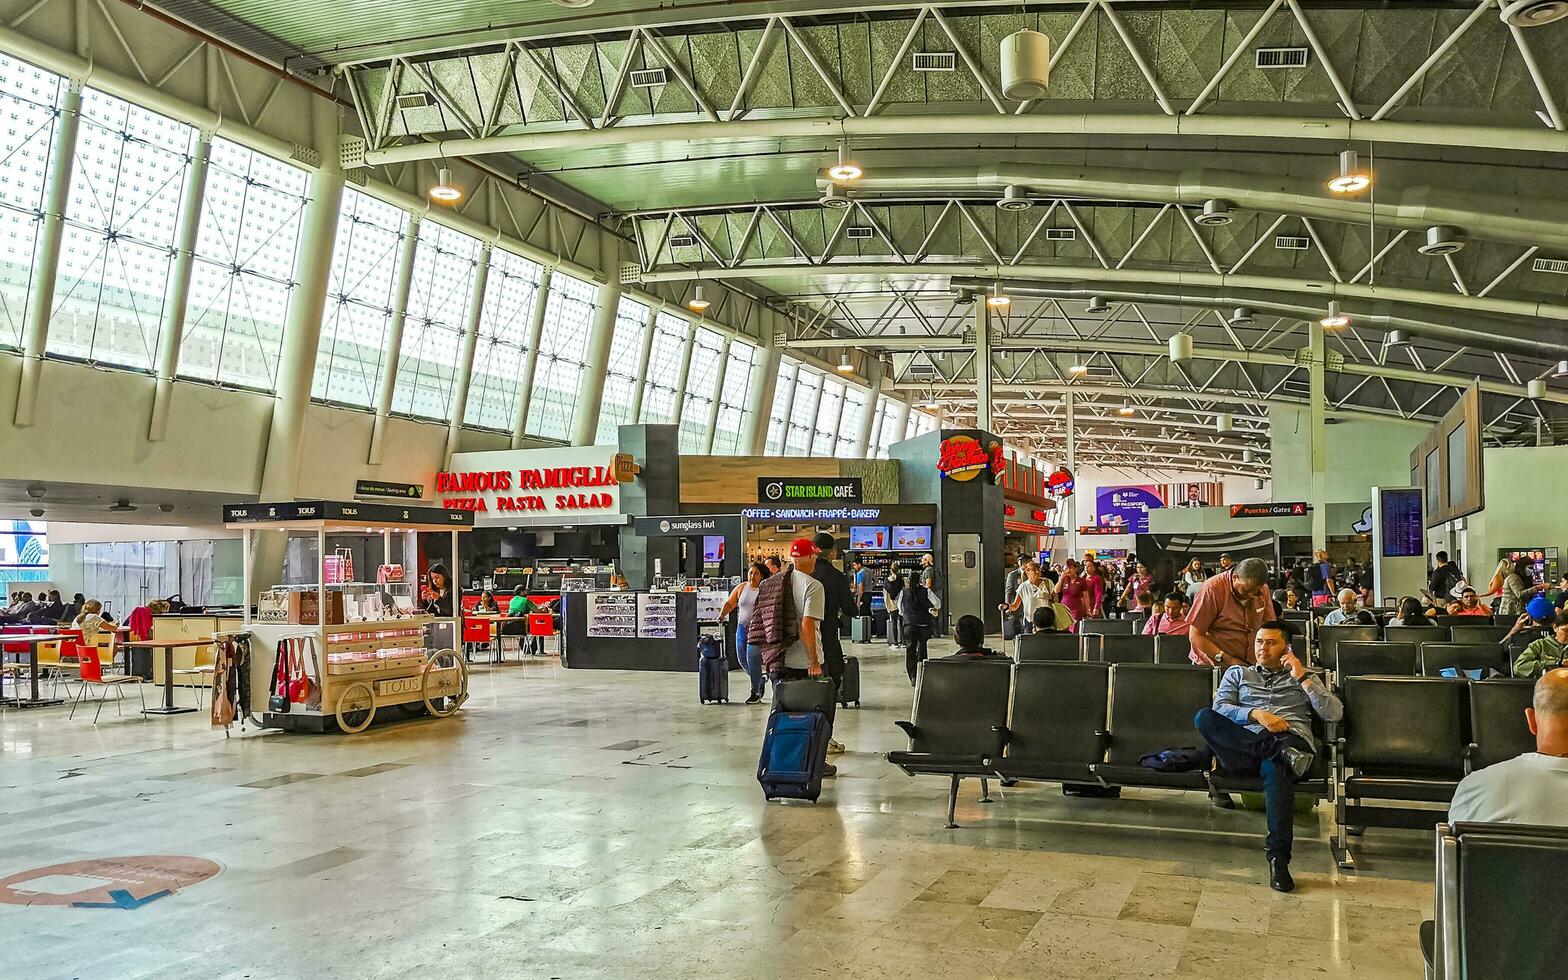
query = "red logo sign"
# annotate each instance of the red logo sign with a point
(962, 458)
(1060, 483)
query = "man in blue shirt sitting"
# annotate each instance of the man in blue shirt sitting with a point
(1261, 725)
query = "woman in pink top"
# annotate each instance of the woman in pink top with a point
(1075, 592)
(1171, 620)
(1137, 584)
(1096, 582)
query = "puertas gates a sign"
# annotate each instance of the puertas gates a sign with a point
(806, 489)
(572, 483)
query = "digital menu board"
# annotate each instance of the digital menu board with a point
(916, 537)
(1403, 532)
(868, 537)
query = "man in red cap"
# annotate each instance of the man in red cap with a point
(804, 656)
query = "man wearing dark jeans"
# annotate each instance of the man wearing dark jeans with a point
(1261, 725)
(914, 605)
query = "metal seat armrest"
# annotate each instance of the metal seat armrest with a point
(907, 727)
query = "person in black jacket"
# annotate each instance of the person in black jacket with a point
(838, 605)
(914, 605)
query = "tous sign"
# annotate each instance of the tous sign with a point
(504, 482)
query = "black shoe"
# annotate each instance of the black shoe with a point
(1279, 875)
(754, 699)
(1222, 801)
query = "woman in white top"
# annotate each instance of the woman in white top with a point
(1193, 577)
(742, 598)
(1032, 593)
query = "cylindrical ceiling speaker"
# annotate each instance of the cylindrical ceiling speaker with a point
(1536, 388)
(1222, 422)
(1181, 347)
(1026, 65)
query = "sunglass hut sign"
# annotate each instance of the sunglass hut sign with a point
(536, 482)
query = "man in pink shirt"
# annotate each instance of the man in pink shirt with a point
(1171, 620)
(1227, 612)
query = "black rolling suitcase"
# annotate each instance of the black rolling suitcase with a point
(849, 691)
(713, 672)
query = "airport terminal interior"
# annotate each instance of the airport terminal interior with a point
(666, 488)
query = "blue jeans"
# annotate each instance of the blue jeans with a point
(1243, 752)
(750, 661)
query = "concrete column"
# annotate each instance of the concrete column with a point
(788, 408)
(1070, 504)
(683, 373)
(718, 394)
(868, 422)
(596, 361)
(1318, 465)
(900, 421)
(833, 426)
(982, 365)
(51, 229)
(402, 282)
(759, 400)
(876, 427)
(525, 384)
(465, 367)
(178, 291)
(640, 383)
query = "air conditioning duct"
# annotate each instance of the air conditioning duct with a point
(1533, 13)
(1240, 316)
(1097, 304)
(1026, 65)
(1398, 338)
(834, 198)
(1441, 240)
(1215, 212)
(1013, 200)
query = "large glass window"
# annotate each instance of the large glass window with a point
(568, 317)
(734, 416)
(510, 293)
(829, 408)
(707, 353)
(888, 431)
(803, 413)
(243, 267)
(29, 98)
(433, 333)
(664, 368)
(621, 370)
(130, 172)
(359, 300)
(778, 422)
(849, 421)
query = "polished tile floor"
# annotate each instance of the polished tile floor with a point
(603, 824)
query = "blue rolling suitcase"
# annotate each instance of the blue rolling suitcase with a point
(713, 672)
(794, 753)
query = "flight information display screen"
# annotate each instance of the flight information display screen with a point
(1403, 531)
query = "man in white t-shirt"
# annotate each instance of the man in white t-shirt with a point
(1531, 788)
(804, 656)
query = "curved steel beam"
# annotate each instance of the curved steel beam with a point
(830, 129)
(1476, 213)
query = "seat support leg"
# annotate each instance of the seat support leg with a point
(952, 802)
(985, 790)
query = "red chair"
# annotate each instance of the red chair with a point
(476, 633)
(540, 626)
(92, 673)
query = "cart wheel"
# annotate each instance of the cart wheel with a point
(356, 708)
(442, 706)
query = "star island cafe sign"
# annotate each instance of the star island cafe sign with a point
(571, 484)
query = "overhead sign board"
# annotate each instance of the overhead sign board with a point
(1295, 508)
(381, 488)
(335, 510)
(573, 484)
(686, 525)
(808, 490)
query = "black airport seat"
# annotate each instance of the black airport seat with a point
(1378, 657)
(1172, 648)
(1057, 726)
(1491, 920)
(1152, 707)
(1452, 621)
(1106, 627)
(1498, 729)
(1126, 649)
(1395, 633)
(1329, 638)
(1035, 647)
(1463, 657)
(1318, 781)
(1479, 633)
(959, 722)
(1402, 739)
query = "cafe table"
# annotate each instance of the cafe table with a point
(32, 641)
(168, 647)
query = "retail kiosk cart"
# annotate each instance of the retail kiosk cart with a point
(361, 637)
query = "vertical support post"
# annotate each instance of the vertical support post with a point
(788, 410)
(718, 395)
(51, 230)
(525, 384)
(1070, 503)
(868, 422)
(465, 367)
(683, 373)
(1318, 430)
(401, 284)
(596, 360)
(982, 365)
(640, 386)
(177, 293)
(759, 400)
(900, 421)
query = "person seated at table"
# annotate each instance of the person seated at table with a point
(486, 605)
(520, 607)
(91, 620)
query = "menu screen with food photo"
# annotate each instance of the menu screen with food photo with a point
(912, 538)
(868, 538)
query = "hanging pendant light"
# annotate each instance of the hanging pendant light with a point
(444, 191)
(1352, 179)
(698, 302)
(996, 299)
(1335, 318)
(845, 170)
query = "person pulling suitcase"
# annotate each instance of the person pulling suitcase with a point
(786, 625)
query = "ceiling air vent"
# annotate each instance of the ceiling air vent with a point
(414, 100)
(1280, 57)
(648, 78)
(1061, 234)
(1559, 266)
(932, 61)
(859, 233)
(1293, 243)
(683, 241)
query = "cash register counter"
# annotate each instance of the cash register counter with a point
(627, 630)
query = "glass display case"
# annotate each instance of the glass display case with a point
(612, 614)
(656, 618)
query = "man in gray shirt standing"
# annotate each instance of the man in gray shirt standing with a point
(1261, 725)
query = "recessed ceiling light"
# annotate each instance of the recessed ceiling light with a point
(122, 507)
(36, 493)
(444, 191)
(166, 508)
(37, 512)
(698, 302)
(845, 169)
(1352, 179)
(1335, 318)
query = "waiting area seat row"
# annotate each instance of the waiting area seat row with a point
(1403, 740)
(1326, 639)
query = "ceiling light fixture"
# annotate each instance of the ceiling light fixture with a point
(1562, 370)
(996, 299)
(1223, 423)
(1258, 483)
(444, 191)
(844, 365)
(1126, 409)
(1097, 304)
(1246, 455)
(1335, 318)
(845, 170)
(166, 508)
(698, 302)
(37, 493)
(1352, 179)
(1026, 65)
(1078, 369)
(1398, 338)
